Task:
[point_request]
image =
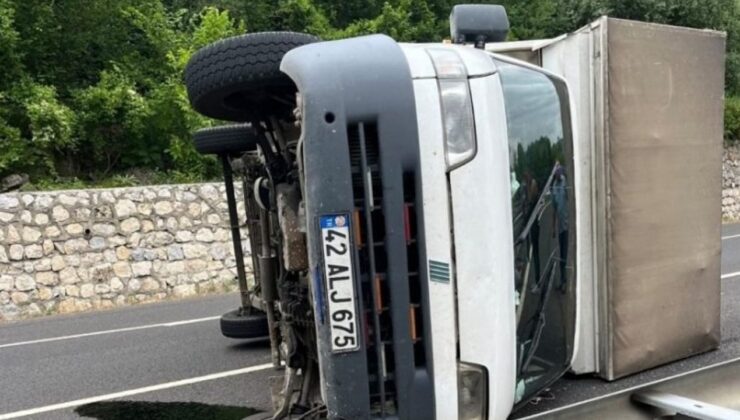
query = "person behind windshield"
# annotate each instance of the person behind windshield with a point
(559, 192)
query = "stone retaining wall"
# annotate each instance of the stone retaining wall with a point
(73, 251)
(731, 184)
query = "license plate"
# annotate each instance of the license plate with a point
(340, 283)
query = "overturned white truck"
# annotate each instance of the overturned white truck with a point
(439, 231)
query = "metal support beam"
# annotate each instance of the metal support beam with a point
(236, 234)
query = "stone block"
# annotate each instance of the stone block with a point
(41, 219)
(9, 202)
(69, 276)
(116, 285)
(163, 208)
(142, 268)
(31, 235)
(6, 283)
(24, 283)
(175, 252)
(16, 252)
(204, 235)
(123, 253)
(74, 246)
(45, 293)
(26, 217)
(47, 278)
(52, 232)
(195, 250)
(134, 285)
(19, 298)
(72, 290)
(59, 214)
(184, 290)
(13, 236)
(125, 208)
(34, 252)
(130, 225)
(87, 290)
(122, 269)
(103, 229)
(43, 202)
(149, 285)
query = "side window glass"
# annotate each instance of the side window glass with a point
(543, 207)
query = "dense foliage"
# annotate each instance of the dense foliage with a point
(91, 90)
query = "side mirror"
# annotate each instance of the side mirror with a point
(478, 23)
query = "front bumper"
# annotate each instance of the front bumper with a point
(361, 158)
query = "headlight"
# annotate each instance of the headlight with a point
(457, 107)
(457, 116)
(472, 388)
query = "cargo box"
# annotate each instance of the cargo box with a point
(648, 120)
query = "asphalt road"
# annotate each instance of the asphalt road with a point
(169, 360)
(39, 374)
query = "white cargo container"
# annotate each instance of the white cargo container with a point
(648, 105)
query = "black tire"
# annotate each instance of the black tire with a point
(229, 79)
(234, 324)
(226, 139)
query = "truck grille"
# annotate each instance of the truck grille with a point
(375, 283)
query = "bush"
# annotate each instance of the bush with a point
(12, 148)
(732, 119)
(112, 116)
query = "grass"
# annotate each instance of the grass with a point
(134, 178)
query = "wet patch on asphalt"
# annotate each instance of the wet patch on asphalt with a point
(125, 410)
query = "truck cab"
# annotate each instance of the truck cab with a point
(446, 174)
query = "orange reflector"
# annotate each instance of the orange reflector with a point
(378, 295)
(358, 228)
(412, 323)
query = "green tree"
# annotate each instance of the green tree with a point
(112, 116)
(9, 52)
(93, 88)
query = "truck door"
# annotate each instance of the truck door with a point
(543, 212)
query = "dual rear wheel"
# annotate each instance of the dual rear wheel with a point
(239, 80)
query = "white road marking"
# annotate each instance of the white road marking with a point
(118, 330)
(730, 275)
(730, 237)
(137, 391)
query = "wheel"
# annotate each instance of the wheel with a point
(226, 139)
(234, 324)
(234, 78)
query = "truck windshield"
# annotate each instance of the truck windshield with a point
(543, 210)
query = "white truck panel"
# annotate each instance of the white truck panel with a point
(484, 250)
(571, 58)
(438, 243)
(476, 64)
(420, 63)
